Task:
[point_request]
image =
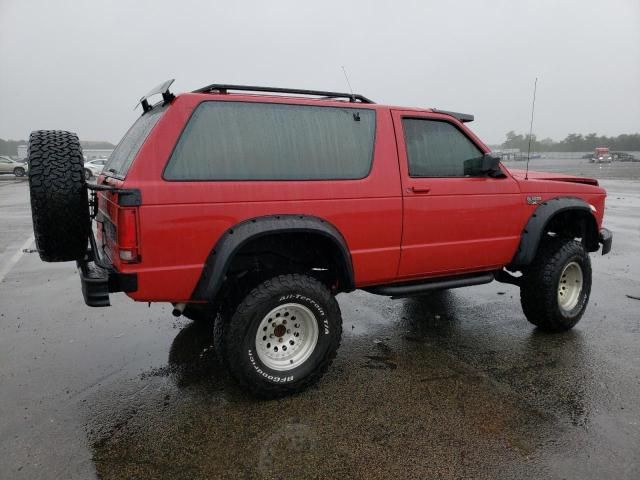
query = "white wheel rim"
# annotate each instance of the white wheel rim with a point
(286, 336)
(570, 286)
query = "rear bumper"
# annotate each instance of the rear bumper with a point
(99, 281)
(606, 239)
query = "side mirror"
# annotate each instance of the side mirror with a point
(491, 166)
(487, 165)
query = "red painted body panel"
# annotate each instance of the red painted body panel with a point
(456, 225)
(180, 222)
(459, 225)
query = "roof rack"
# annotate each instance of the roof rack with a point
(223, 88)
(461, 117)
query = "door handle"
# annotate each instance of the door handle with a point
(420, 189)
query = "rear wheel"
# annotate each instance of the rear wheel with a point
(556, 288)
(18, 172)
(59, 201)
(282, 337)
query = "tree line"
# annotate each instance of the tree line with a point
(10, 147)
(574, 142)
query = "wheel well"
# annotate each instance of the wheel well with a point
(566, 217)
(577, 224)
(276, 253)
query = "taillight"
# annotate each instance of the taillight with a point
(128, 235)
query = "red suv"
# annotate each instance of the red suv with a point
(254, 209)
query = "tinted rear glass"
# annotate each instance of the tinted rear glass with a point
(123, 155)
(269, 141)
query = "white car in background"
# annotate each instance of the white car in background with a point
(7, 165)
(92, 168)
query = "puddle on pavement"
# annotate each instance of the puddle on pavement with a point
(400, 400)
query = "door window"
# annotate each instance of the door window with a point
(438, 149)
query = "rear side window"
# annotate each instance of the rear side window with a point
(438, 149)
(263, 141)
(123, 155)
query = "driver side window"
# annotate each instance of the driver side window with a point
(438, 149)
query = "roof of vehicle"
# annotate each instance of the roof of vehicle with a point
(333, 100)
(278, 93)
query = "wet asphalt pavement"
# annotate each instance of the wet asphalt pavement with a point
(452, 385)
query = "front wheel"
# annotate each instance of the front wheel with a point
(87, 174)
(19, 172)
(556, 288)
(282, 337)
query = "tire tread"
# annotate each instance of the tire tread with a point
(226, 337)
(59, 200)
(538, 293)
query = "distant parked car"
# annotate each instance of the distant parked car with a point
(587, 156)
(602, 155)
(92, 168)
(12, 167)
(624, 157)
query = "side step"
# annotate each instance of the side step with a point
(443, 283)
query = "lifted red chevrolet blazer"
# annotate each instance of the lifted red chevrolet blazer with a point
(252, 207)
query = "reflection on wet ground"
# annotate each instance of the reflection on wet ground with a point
(429, 391)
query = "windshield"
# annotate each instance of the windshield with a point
(123, 155)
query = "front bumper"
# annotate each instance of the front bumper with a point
(99, 280)
(606, 238)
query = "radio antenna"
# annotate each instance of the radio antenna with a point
(533, 107)
(347, 79)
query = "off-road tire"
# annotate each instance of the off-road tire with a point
(235, 335)
(18, 172)
(59, 201)
(199, 313)
(539, 289)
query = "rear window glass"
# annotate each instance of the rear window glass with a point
(262, 141)
(123, 155)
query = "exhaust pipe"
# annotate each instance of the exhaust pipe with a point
(178, 308)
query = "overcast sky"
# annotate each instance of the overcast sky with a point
(82, 65)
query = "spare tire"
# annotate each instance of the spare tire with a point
(59, 200)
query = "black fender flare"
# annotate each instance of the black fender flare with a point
(540, 218)
(219, 259)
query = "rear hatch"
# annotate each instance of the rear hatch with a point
(118, 201)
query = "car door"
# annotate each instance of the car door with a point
(455, 218)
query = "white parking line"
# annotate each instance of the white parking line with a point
(14, 259)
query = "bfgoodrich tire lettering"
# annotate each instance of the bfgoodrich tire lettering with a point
(540, 293)
(59, 202)
(237, 335)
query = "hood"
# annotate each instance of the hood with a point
(558, 177)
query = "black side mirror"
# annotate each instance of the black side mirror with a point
(486, 165)
(491, 166)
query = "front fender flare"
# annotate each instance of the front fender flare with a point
(540, 218)
(220, 257)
